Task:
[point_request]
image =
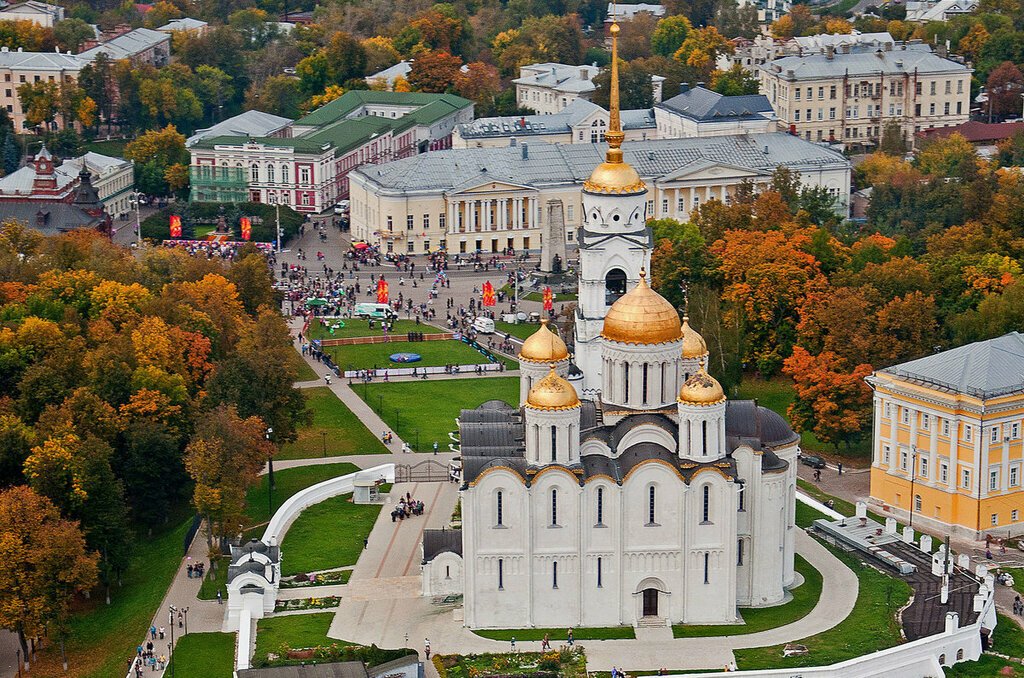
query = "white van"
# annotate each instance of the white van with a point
(375, 311)
(483, 325)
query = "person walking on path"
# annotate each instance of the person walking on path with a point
(513, 648)
(426, 643)
(545, 644)
(569, 637)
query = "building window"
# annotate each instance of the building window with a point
(408, 222)
(931, 109)
(924, 467)
(390, 223)
(905, 415)
(499, 508)
(903, 460)
(554, 575)
(886, 449)
(284, 174)
(918, 88)
(932, 89)
(442, 221)
(993, 480)
(994, 434)
(945, 427)
(554, 507)
(944, 472)
(570, 212)
(706, 512)
(739, 552)
(742, 498)
(797, 112)
(832, 92)
(554, 445)
(995, 518)
(707, 564)
(426, 222)
(1013, 515)
(304, 175)
(917, 502)
(968, 432)
(600, 506)
(664, 205)
(887, 411)
(410, 247)
(599, 572)
(650, 505)
(1015, 430)
(965, 478)
(270, 173)
(1014, 476)
(925, 421)
(501, 574)
(255, 173)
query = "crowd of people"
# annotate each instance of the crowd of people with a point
(407, 508)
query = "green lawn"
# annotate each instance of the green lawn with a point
(335, 430)
(871, 626)
(536, 296)
(557, 636)
(521, 330)
(805, 515)
(287, 482)
(353, 327)
(103, 635)
(305, 372)
(434, 354)
(295, 631)
(199, 655)
(986, 667)
(215, 580)
(805, 597)
(1009, 638)
(327, 535)
(432, 406)
(114, 148)
(777, 394)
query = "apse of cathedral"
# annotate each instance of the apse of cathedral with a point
(625, 488)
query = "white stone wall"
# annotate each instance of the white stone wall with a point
(442, 576)
(661, 362)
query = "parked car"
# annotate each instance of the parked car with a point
(813, 461)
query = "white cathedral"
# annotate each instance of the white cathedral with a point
(625, 489)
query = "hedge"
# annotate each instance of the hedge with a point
(264, 225)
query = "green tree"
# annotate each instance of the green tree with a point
(279, 94)
(635, 87)
(71, 33)
(892, 141)
(734, 82)
(670, 34)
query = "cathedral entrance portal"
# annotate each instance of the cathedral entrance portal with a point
(650, 602)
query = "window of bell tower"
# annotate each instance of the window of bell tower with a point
(614, 285)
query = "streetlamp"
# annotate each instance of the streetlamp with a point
(137, 198)
(277, 207)
(398, 428)
(186, 621)
(913, 473)
(323, 434)
(170, 645)
(270, 478)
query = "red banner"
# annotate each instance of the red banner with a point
(246, 228)
(382, 291)
(488, 290)
(549, 299)
(175, 226)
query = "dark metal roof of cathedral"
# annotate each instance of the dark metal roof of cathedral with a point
(757, 426)
(438, 541)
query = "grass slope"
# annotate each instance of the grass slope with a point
(295, 631)
(305, 372)
(286, 483)
(432, 406)
(1009, 640)
(199, 655)
(345, 434)
(327, 535)
(870, 627)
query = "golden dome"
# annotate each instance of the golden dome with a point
(552, 393)
(543, 346)
(694, 345)
(642, 316)
(701, 389)
(614, 177)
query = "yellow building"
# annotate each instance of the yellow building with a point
(947, 443)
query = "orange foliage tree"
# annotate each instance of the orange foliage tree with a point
(831, 401)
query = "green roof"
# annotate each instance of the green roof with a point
(351, 100)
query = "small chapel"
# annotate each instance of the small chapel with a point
(625, 489)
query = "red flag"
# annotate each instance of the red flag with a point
(549, 299)
(488, 298)
(382, 291)
(246, 228)
(175, 226)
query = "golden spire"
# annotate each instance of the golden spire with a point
(614, 136)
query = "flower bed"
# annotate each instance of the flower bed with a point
(307, 603)
(565, 661)
(321, 579)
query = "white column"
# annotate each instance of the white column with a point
(535, 213)
(451, 227)
(464, 210)
(707, 193)
(503, 214)
(954, 453)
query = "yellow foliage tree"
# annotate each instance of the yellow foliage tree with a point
(330, 94)
(971, 44)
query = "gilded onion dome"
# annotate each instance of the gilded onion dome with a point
(701, 389)
(552, 393)
(543, 346)
(694, 345)
(642, 316)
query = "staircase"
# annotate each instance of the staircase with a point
(651, 623)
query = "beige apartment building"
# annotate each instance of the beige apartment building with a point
(18, 68)
(491, 199)
(848, 95)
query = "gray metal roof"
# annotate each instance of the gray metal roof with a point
(310, 670)
(984, 369)
(49, 218)
(128, 45)
(550, 123)
(97, 163)
(41, 61)
(554, 164)
(184, 24)
(560, 77)
(707, 106)
(21, 180)
(247, 124)
(863, 61)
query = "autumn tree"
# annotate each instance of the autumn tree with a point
(435, 71)
(43, 563)
(635, 87)
(906, 328)
(279, 95)
(831, 401)
(1004, 86)
(380, 53)
(670, 34)
(951, 156)
(224, 458)
(701, 50)
(154, 152)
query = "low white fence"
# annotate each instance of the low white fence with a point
(294, 505)
(383, 372)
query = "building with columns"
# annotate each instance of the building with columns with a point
(947, 442)
(626, 490)
(489, 199)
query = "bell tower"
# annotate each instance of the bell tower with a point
(615, 242)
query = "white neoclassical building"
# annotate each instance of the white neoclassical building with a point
(625, 489)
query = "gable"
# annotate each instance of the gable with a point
(489, 185)
(711, 170)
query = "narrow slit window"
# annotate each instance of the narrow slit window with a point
(600, 505)
(554, 507)
(650, 505)
(707, 503)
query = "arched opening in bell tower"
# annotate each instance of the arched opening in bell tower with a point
(614, 285)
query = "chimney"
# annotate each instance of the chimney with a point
(526, 152)
(830, 52)
(844, 49)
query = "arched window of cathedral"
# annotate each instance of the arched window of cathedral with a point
(707, 567)
(599, 572)
(600, 506)
(706, 513)
(625, 382)
(554, 444)
(650, 505)
(554, 575)
(554, 507)
(743, 491)
(644, 389)
(663, 367)
(739, 553)
(501, 574)
(499, 509)
(704, 437)
(614, 285)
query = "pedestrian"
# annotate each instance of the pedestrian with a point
(366, 542)
(435, 447)
(426, 643)
(569, 637)
(190, 570)
(161, 633)
(220, 601)
(988, 554)
(840, 467)
(545, 644)
(152, 632)
(513, 648)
